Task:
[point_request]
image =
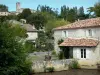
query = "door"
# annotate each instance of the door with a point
(83, 53)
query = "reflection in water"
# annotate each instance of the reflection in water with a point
(73, 72)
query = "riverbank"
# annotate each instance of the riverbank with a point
(73, 72)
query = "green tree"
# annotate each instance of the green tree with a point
(3, 18)
(3, 8)
(42, 42)
(30, 46)
(12, 54)
(12, 17)
(55, 23)
(37, 19)
(69, 14)
(64, 12)
(24, 14)
(45, 8)
(81, 15)
(81, 11)
(95, 9)
(71, 17)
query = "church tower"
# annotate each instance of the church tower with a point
(18, 7)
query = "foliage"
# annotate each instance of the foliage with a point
(18, 31)
(74, 64)
(69, 14)
(60, 41)
(53, 52)
(71, 17)
(55, 23)
(12, 54)
(12, 17)
(81, 15)
(3, 8)
(30, 46)
(61, 55)
(42, 42)
(49, 10)
(3, 18)
(73, 14)
(37, 19)
(24, 14)
(50, 69)
(95, 9)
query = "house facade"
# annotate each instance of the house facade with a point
(32, 32)
(81, 39)
(4, 13)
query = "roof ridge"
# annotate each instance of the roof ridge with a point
(81, 24)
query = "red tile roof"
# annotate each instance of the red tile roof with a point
(80, 42)
(93, 22)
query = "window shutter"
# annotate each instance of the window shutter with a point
(78, 53)
(87, 54)
(63, 34)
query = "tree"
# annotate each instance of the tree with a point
(69, 14)
(3, 18)
(81, 15)
(64, 12)
(24, 14)
(12, 53)
(71, 17)
(30, 46)
(42, 42)
(81, 11)
(95, 9)
(47, 9)
(12, 17)
(37, 19)
(3, 8)
(55, 23)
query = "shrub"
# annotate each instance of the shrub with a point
(74, 65)
(53, 52)
(61, 55)
(60, 41)
(50, 69)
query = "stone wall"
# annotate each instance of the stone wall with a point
(58, 65)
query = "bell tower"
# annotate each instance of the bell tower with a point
(17, 6)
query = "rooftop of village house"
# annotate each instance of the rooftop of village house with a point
(93, 22)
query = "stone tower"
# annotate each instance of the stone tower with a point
(18, 7)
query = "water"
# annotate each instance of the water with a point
(73, 72)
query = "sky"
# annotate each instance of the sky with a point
(52, 3)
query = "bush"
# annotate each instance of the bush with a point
(53, 52)
(61, 55)
(74, 65)
(60, 41)
(50, 69)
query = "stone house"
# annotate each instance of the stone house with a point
(81, 40)
(32, 32)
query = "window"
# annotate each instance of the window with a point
(83, 53)
(65, 33)
(90, 32)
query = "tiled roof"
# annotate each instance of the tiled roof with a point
(29, 28)
(93, 22)
(79, 42)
